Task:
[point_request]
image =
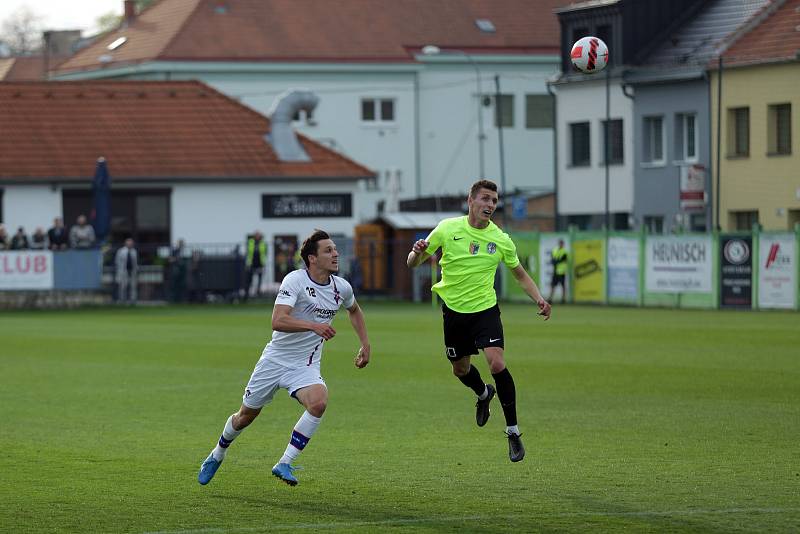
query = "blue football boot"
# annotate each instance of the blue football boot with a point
(208, 469)
(285, 472)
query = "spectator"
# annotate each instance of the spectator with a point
(20, 240)
(3, 238)
(57, 235)
(177, 272)
(127, 263)
(82, 234)
(255, 261)
(39, 239)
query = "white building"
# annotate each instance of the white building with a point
(386, 100)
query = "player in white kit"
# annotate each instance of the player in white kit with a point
(307, 301)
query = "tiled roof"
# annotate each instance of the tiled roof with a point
(698, 41)
(776, 38)
(322, 30)
(55, 131)
(17, 69)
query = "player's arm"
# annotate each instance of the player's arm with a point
(282, 321)
(360, 326)
(529, 286)
(417, 256)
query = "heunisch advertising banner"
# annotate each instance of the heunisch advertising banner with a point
(623, 268)
(678, 264)
(736, 272)
(26, 269)
(777, 271)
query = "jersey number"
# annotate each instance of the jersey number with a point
(311, 292)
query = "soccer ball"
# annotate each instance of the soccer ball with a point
(589, 54)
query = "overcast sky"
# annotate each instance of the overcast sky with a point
(63, 14)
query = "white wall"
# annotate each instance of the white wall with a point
(581, 190)
(380, 147)
(30, 206)
(198, 215)
(449, 143)
(448, 132)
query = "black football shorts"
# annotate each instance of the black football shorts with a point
(465, 333)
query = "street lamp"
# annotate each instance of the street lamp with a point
(433, 50)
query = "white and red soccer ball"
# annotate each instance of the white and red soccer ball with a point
(589, 54)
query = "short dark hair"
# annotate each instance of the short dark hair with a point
(482, 184)
(311, 244)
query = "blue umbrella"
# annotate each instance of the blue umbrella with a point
(101, 212)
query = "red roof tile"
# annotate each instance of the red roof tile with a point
(323, 30)
(775, 38)
(55, 131)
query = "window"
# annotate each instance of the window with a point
(377, 110)
(579, 32)
(743, 220)
(621, 221)
(141, 214)
(697, 222)
(654, 224)
(538, 111)
(779, 122)
(303, 115)
(794, 218)
(504, 111)
(614, 148)
(579, 141)
(603, 32)
(738, 132)
(581, 222)
(686, 136)
(653, 140)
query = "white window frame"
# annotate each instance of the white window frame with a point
(685, 137)
(377, 102)
(649, 138)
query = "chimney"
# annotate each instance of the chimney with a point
(130, 12)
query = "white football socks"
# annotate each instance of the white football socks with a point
(227, 437)
(303, 430)
(512, 430)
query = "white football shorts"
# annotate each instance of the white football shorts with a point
(269, 376)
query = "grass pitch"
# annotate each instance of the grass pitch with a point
(642, 420)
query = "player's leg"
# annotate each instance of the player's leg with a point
(459, 343)
(234, 426)
(259, 391)
(314, 397)
(507, 393)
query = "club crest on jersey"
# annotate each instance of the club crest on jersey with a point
(336, 296)
(491, 247)
(474, 247)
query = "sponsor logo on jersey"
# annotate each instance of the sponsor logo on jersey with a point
(474, 247)
(491, 247)
(323, 313)
(284, 293)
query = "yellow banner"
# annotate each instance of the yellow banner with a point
(587, 273)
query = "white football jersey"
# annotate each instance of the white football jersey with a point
(310, 301)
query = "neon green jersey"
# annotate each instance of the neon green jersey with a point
(469, 260)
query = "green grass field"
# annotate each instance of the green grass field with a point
(642, 420)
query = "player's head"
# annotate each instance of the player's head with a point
(319, 250)
(560, 243)
(482, 200)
